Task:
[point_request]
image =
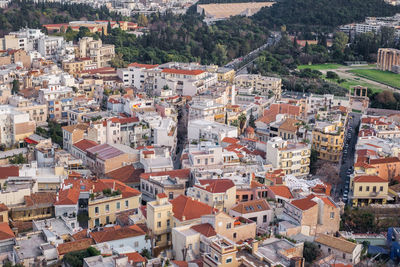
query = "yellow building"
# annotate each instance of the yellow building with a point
(369, 189)
(76, 66)
(226, 74)
(3, 213)
(222, 253)
(159, 220)
(328, 140)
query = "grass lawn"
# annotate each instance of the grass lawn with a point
(350, 83)
(385, 77)
(327, 66)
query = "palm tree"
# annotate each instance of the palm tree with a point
(242, 122)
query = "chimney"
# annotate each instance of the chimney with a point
(183, 218)
(254, 247)
(113, 186)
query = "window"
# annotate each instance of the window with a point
(126, 203)
(190, 246)
(374, 188)
(234, 235)
(171, 195)
(159, 215)
(360, 189)
(107, 208)
(329, 250)
(136, 244)
(216, 257)
(332, 215)
(97, 222)
(265, 218)
(96, 210)
(381, 188)
(118, 205)
(107, 219)
(228, 226)
(228, 260)
(168, 223)
(367, 189)
(158, 224)
(344, 255)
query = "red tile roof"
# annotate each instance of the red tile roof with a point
(85, 144)
(384, 160)
(180, 263)
(8, 171)
(304, 203)
(215, 185)
(281, 190)
(180, 174)
(5, 231)
(117, 234)
(205, 229)
(68, 197)
(251, 206)
(230, 140)
(80, 235)
(3, 207)
(162, 195)
(369, 179)
(138, 65)
(185, 208)
(135, 257)
(126, 174)
(40, 198)
(184, 72)
(78, 245)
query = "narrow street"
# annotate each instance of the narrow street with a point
(348, 161)
(181, 134)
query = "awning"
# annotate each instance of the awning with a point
(30, 141)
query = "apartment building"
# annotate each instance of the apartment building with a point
(328, 140)
(326, 102)
(207, 110)
(59, 99)
(205, 155)
(339, 248)
(260, 84)
(37, 112)
(73, 134)
(14, 125)
(135, 74)
(210, 130)
(289, 156)
(48, 46)
(100, 54)
(101, 199)
(257, 210)
(222, 253)
(165, 133)
(217, 193)
(26, 39)
(311, 215)
(79, 65)
(368, 189)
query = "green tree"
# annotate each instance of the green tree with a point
(83, 32)
(340, 40)
(313, 161)
(242, 122)
(310, 251)
(109, 29)
(18, 159)
(332, 75)
(15, 87)
(220, 54)
(252, 121)
(142, 20)
(118, 61)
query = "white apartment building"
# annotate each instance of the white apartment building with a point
(206, 109)
(292, 157)
(37, 112)
(209, 130)
(260, 84)
(26, 39)
(326, 101)
(48, 46)
(59, 99)
(165, 133)
(134, 75)
(100, 53)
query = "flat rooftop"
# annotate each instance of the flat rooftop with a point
(29, 247)
(54, 225)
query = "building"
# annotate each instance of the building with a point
(222, 253)
(100, 54)
(217, 193)
(78, 65)
(14, 125)
(59, 99)
(289, 156)
(312, 215)
(72, 134)
(101, 200)
(328, 140)
(7, 238)
(369, 189)
(209, 130)
(260, 84)
(37, 112)
(388, 58)
(257, 210)
(48, 46)
(134, 74)
(340, 248)
(122, 239)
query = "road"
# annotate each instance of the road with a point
(348, 161)
(181, 134)
(253, 55)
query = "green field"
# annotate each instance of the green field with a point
(320, 66)
(384, 77)
(350, 83)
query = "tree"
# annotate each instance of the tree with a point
(252, 121)
(332, 75)
(313, 161)
(310, 251)
(109, 29)
(242, 122)
(15, 86)
(142, 20)
(340, 41)
(83, 31)
(220, 54)
(18, 159)
(329, 173)
(118, 61)
(226, 118)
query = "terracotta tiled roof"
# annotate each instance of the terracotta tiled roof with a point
(304, 203)
(135, 257)
(215, 185)
(126, 174)
(289, 125)
(117, 234)
(162, 195)
(85, 144)
(205, 229)
(230, 140)
(80, 126)
(8, 171)
(369, 179)
(5, 231)
(185, 208)
(180, 174)
(68, 197)
(281, 190)
(251, 206)
(80, 235)
(384, 160)
(138, 65)
(40, 198)
(184, 72)
(77, 245)
(336, 243)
